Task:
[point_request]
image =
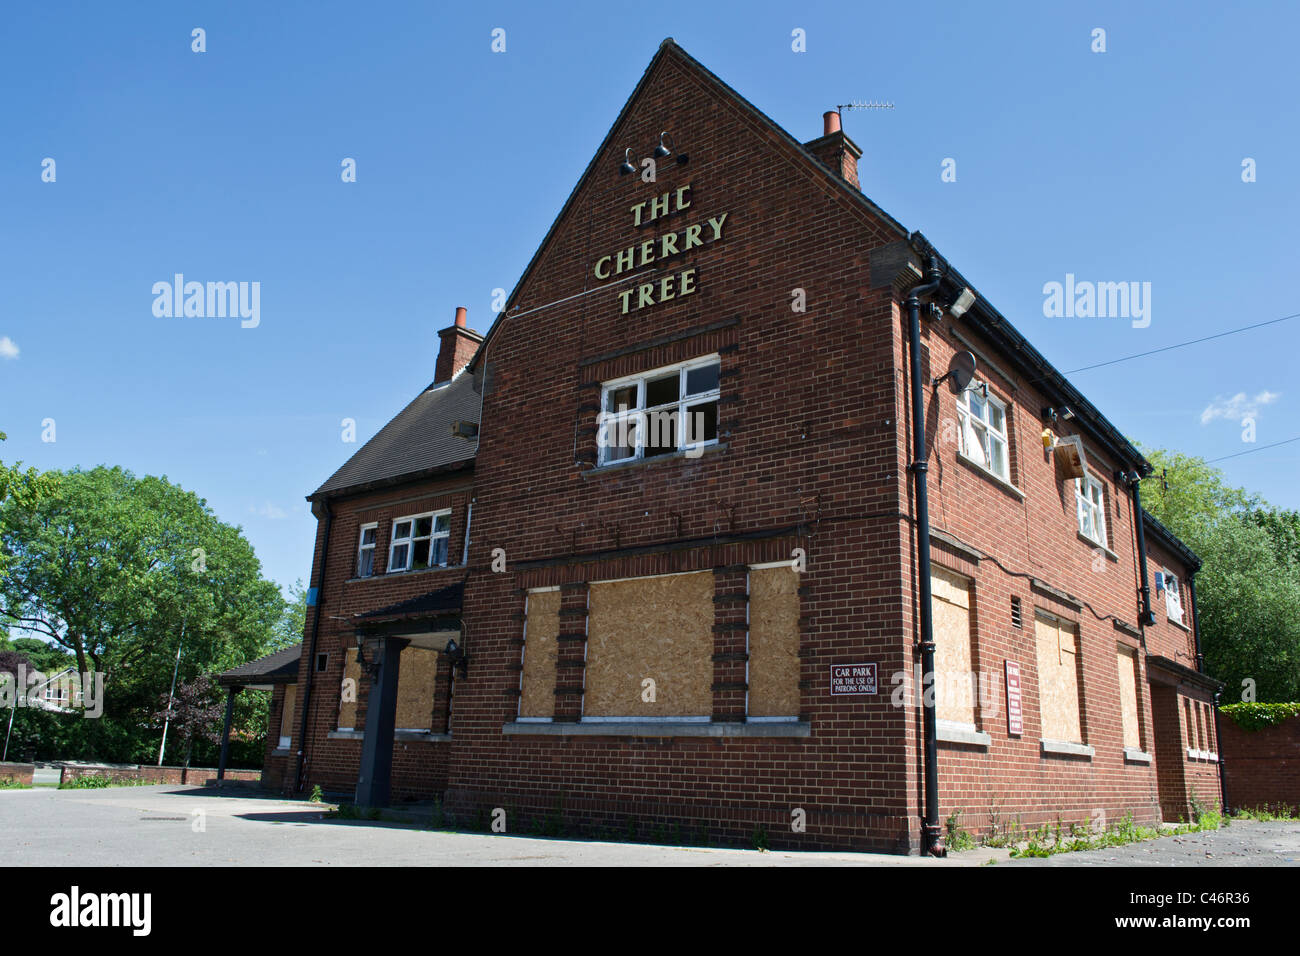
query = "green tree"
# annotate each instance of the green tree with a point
(1247, 591)
(289, 629)
(21, 489)
(121, 571)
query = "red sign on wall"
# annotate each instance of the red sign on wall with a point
(1015, 720)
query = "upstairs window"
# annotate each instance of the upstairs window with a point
(983, 430)
(1173, 598)
(366, 550)
(660, 412)
(1090, 499)
(419, 541)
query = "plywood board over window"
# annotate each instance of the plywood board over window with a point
(286, 714)
(954, 695)
(537, 696)
(658, 629)
(1128, 703)
(774, 642)
(349, 689)
(1058, 679)
(415, 676)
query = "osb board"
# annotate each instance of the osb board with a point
(540, 652)
(1058, 680)
(286, 714)
(659, 629)
(774, 642)
(954, 692)
(1127, 660)
(348, 708)
(950, 587)
(417, 668)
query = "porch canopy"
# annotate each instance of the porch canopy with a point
(264, 673)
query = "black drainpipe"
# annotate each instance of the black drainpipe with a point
(931, 836)
(1147, 618)
(311, 655)
(1200, 667)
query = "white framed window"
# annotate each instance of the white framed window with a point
(1090, 501)
(654, 413)
(982, 421)
(1173, 598)
(366, 550)
(419, 541)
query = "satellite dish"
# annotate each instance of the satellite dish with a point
(961, 370)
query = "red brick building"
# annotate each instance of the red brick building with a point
(670, 512)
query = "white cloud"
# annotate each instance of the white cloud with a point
(1238, 407)
(269, 510)
(8, 349)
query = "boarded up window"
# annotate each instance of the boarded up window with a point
(537, 696)
(774, 642)
(1128, 703)
(286, 714)
(348, 690)
(954, 699)
(417, 669)
(658, 629)
(1058, 679)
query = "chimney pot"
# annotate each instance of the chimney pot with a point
(456, 346)
(831, 120)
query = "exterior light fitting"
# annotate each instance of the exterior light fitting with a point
(627, 166)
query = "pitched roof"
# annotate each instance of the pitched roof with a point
(670, 48)
(281, 667)
(418, 440)
(982, 314)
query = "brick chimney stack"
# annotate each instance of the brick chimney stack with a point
(458, 343)
(836, 151)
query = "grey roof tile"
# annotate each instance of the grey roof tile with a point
(418, 438)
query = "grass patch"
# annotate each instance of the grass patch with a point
(1269, 813)
(14, 785)
(1048, 841)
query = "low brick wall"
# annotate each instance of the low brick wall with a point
(179, 776)
(1261, 767)
(17, 772)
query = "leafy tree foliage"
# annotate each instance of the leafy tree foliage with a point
(120, 572)
(1248, 589)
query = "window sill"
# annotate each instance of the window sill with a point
(281, 752)
(647, 728)
(991, 476)
(389, 575)
(1098, 545)
(1202, 755)
(402, 735)
(1066, 748)
(1179, 624)
(1133, 755)
(715, 448)
(953, 732)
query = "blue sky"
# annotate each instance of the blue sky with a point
(225, 165)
